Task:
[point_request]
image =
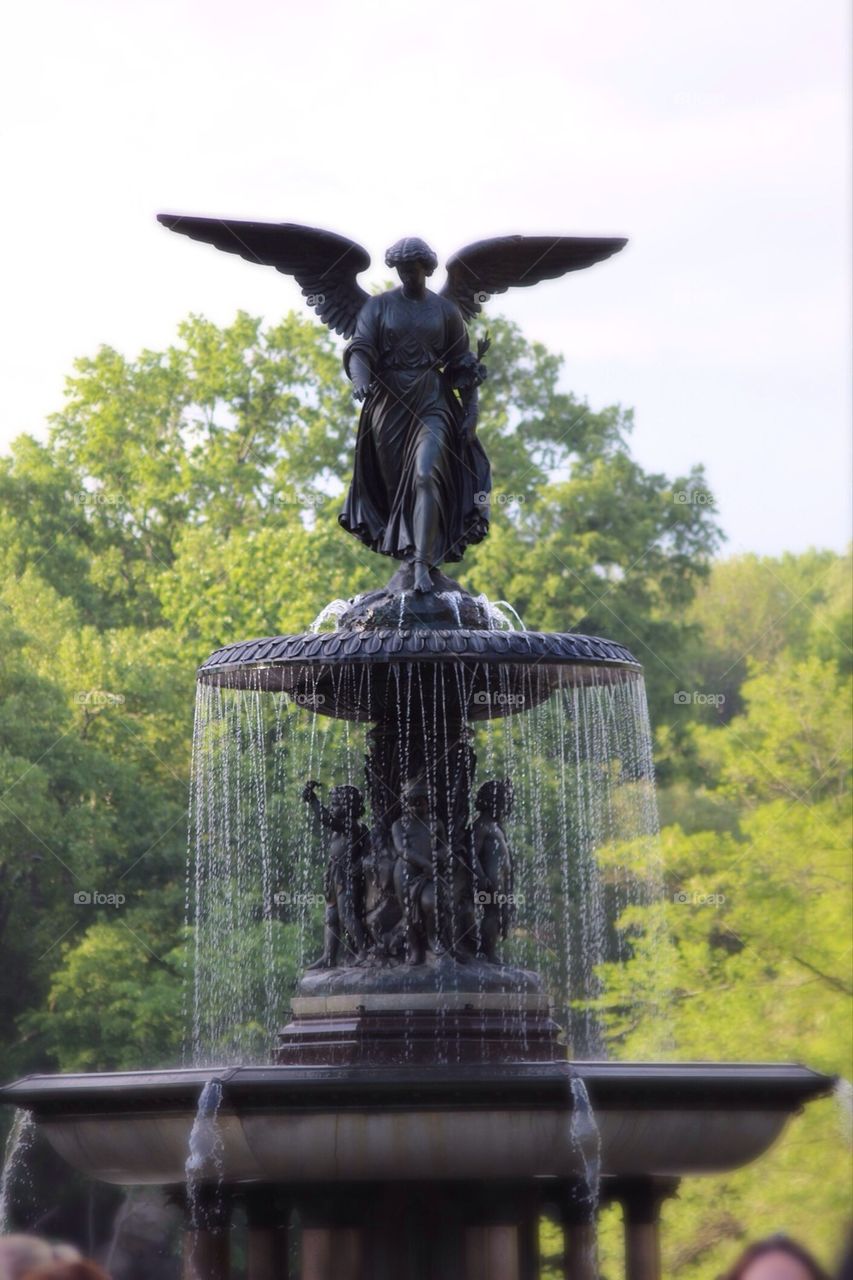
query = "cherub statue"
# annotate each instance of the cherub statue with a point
(343, 882)
(493, 863)
(383, 917)
(421, 479)
(419, 841)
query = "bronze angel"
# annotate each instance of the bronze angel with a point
(421, 479)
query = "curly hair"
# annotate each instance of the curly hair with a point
(497, 793)
(412, 249)
(349, 797)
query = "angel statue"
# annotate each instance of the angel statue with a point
(421, 479)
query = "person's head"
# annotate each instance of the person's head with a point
(413, 259)
(346, 803)
(80, 1270)
(416, 798)
(19, 1254)
(776, 1258)
(495, 798)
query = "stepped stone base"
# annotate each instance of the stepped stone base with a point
(420, 1027)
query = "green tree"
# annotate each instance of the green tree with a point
(757, 963)
(93, 767)
(751, 608)
(113, 1003)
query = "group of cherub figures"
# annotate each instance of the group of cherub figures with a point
(413, 892)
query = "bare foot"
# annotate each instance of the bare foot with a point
(423, 579)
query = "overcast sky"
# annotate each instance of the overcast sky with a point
(715, 136)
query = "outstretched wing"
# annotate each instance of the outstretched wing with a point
(493, 266)
(325, 265)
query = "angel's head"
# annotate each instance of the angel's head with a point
(414, 260)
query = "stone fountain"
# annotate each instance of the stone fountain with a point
(423, 1107)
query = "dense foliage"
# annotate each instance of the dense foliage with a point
(189, 497)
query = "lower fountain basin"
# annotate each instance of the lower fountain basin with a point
(287, 1124)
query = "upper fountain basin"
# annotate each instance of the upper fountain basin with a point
(353, 672)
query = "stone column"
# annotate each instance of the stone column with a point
(641, 1200)
(207, 1253)
(333, 1253)
(267, 1253)
(529, 1242)
(579, 1256)
(579, 1251)
(492, 1252)
(499, 1232)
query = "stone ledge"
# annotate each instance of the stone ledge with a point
(428, 1002)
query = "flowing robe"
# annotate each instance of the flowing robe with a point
(415, 349)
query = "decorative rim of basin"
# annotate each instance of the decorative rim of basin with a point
(383, 646)
(624, 1085)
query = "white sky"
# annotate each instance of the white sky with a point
(714, 135)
